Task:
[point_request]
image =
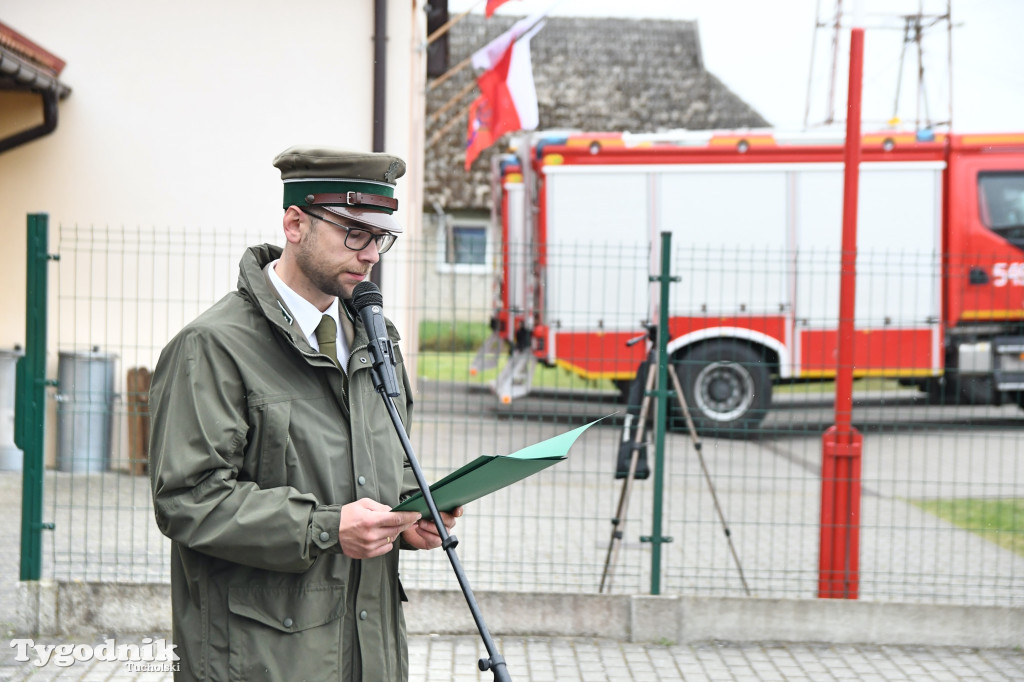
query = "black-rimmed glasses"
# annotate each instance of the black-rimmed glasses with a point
(357, 238)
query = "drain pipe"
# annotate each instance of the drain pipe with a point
(30, 78)
(380, 77)
(380, 81)
(48, 125)
(51, 92)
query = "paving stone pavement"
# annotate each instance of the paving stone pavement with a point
(453, 658)
(561, 659)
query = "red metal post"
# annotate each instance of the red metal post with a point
(839, 551)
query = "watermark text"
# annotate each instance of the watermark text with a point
(152, 655)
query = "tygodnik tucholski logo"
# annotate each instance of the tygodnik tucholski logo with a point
(152, 655)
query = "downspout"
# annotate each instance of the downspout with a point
(48, 125)
(380, 76)
(380, 39)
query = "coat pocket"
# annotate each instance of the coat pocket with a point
(268, 627)
(270, 442)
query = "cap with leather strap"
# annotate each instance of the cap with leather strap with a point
(359, 186)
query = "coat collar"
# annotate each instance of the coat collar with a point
(254, 284)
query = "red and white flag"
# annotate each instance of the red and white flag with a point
(508, 97)
(487, 56)
(493, 5)
(478, 136)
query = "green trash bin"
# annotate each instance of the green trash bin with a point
(85, 410)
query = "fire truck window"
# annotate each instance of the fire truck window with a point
(1001, 205)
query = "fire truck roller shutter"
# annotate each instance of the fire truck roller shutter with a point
(727, 386)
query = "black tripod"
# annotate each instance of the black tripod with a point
(637, 445)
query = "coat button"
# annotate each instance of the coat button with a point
(362, 480)
(362, 360)
(363, 615)
(325, 536)
(288, 622)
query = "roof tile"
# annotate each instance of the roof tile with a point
(640, 75)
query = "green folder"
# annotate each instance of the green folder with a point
(488, 473)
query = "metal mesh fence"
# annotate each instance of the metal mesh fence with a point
(117, 296)
(942, 511)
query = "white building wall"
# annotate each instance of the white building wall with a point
(177, 110)
(176, 113)
(455, 293)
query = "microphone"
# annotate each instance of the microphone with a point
(368, 302)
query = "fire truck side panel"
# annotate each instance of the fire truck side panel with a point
(742, 228)
(887, 353)
(729, 234)
(743, 233)
(599, 355)
(898, 294)
(598, 226)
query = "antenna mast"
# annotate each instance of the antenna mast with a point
(914, 28)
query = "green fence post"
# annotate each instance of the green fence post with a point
(30, 399)
(662, 393)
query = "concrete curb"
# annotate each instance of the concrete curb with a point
(834, 621)
(79, 608)
(61, 608)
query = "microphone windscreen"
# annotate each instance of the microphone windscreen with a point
(366, 294)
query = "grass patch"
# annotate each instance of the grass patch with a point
(451, 336)
(441, 366)
(998, 520)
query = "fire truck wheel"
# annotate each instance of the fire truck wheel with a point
(727, 385)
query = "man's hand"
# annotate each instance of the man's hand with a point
(424, 534)
(369, 528)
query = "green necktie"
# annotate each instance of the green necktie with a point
(327, 336)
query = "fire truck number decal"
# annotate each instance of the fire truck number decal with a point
(1008, 273)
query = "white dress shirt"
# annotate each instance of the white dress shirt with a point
(307, 316)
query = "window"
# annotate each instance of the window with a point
(468, 247)
(462, 245)
(1001, 202)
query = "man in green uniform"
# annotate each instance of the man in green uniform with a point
(274, 463)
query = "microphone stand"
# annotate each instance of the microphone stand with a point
(495, 662)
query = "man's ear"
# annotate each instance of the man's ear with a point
(293, 219)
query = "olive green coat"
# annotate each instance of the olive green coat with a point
(257, 441)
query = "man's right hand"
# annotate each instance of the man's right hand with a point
(369, 528)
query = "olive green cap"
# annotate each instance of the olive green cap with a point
(356, 185)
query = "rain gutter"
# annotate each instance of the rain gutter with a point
(19, 74)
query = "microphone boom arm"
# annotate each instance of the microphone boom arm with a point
(367, 301)
(495, 662)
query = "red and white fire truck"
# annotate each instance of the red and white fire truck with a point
(756, 225)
